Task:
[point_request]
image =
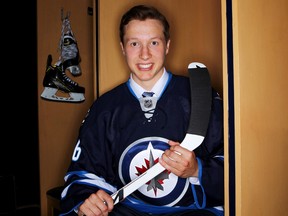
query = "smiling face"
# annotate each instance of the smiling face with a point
(145, 49)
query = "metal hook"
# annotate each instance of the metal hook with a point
(62, 14)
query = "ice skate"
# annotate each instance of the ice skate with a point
(69, 49)
(70, 55)
(58, 86)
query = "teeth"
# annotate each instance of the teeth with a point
(145, 65)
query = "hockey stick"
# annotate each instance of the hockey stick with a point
(201, 94)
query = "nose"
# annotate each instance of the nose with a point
(145, 53)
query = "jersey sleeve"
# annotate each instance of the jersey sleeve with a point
(210, 156)
(90, 168)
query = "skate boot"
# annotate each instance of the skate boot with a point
(70, 55)
(69, 49)
(56, 80)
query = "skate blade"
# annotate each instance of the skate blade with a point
(50, 94)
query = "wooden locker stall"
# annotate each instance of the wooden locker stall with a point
(259, 95)
(59, 121)
(195, 36)
(198, 33)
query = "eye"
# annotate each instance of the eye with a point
(154, 43)
(134, 44)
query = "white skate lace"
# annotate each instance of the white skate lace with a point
(68, 79)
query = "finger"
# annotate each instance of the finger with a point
(107, 201)
(171, 160)
(173, 155)
(180, 150)
(173, 143)
(102, 205)
(94, 205)
(80, 213)
(175, 162)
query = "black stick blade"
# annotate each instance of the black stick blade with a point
(201, 98)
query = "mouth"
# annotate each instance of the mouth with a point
(145, 66)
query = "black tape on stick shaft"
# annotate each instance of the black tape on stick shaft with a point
(200, 100)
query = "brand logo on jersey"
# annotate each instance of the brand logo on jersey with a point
(148, 103)
(166, 188)
(148, 106)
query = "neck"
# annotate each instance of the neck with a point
(148, 84)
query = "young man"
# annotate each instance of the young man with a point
(124, 134)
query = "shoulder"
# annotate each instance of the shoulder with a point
(179, 78)
(106, 103)
(109, 100)
(113, 95)
(179, 82)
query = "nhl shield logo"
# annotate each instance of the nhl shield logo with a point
(148, 103)
(148, 106)
(166, 189)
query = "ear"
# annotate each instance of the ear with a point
(167, 46)
(122, 48)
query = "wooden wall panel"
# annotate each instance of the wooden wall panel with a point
(225, 107)
(59, 122)
(195, 36)
(260, 45)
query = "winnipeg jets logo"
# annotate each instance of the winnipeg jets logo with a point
(166, 188)
(155, 183)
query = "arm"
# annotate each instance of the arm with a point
(90, 166)
(204, 167)
(211, 158)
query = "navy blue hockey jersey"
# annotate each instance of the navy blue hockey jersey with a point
(118, 141)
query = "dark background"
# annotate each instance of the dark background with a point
(19, 163)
